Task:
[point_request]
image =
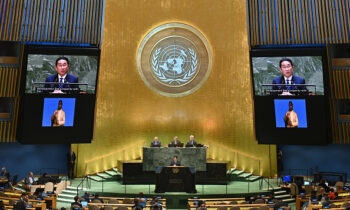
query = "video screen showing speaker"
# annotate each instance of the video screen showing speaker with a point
(62, 73)
(290, 95)
(58, 94)
(58, 112)
(288, 75)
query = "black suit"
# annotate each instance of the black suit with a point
(191, 143)
(172, 163)
(20, 205)
(70, 163)
(175, 144)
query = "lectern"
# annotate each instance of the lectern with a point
(175, 179)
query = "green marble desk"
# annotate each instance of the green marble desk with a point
(194, 157)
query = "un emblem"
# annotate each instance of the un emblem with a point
(174, 59)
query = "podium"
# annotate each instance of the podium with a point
(175, 179)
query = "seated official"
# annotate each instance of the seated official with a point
(5, 173)
(97, 198)
(21, 204)
(86, 197)
(76, 204)
(156, 142)
(175, 142)
(29, 180)
(175, 162)
(191, 142)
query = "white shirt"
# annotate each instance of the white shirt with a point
(289, 79)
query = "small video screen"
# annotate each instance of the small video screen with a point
(290, 113)
(58, 112)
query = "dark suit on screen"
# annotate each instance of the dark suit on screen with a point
(294, 80)
(175, 144)
(68, 79)
(156, 144)
(178, 163)
(191, 143)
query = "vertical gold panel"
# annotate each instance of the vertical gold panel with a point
(15, 19)
(7, 20)
(342, 17)
(308, 27)
(279, 19)
(220, 112)
(321, 16)
(256, 22)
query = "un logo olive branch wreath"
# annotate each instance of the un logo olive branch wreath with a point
(160, 74)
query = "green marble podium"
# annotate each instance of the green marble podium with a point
(194, 157)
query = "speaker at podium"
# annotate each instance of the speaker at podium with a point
(175, 179)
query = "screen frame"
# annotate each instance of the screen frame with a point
(56, 50)
(85, 111)
(293, 52)
(270, 134)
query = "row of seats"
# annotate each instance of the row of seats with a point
(260, 203)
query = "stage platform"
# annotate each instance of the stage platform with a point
(175, 200)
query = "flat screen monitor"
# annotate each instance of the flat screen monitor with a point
(58, 94)
(288, 75)
(290, 113)
(43, 73)
(290, 95)
(286, 179)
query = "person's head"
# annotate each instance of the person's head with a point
(37, 190)
(176, 138)
(191, 137)
(87, 193)
(62, 66)
(200, 203)
(175, 158)
(156, 138)
(286, 67)
(24, 196)
(140, 195)
(76, 198)
(31, 174)
(290, 106)
(60, 103)
(96, 195)
(3, 169)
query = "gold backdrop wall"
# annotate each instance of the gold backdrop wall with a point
(220, 113)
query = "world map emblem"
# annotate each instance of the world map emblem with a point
(174, 59)
(175, 65)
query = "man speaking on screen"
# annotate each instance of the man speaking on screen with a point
(291, 117)
(287, 78)
(58, 118)
(62, 79)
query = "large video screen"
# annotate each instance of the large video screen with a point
(290, 95)
(291, 75)
(44, 72)
(58, 94)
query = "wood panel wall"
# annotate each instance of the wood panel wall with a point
(45, 22)
(275, 23)
(58, 21)
(298, 22)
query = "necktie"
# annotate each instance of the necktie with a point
(287, 82)
(61, 83)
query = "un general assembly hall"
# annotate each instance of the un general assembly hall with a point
(174, 104)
